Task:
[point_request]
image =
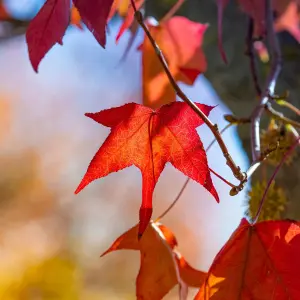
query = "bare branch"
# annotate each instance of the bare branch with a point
(270, 82)
(188, 179)
(250, 53)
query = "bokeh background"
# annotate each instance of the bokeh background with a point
(51, 239)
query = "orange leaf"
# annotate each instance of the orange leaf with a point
(259, 261)
(180, 41)
(161, 266)
(148, 140)
(125, 10)
(75, 18)
(289, 21)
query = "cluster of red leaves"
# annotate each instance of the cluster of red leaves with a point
(259, 261)
(50, 24)
(140, 136)
(162, 266)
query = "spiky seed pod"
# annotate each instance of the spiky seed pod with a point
(283, 137)
(274, 204)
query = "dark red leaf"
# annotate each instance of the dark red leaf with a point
(221, 5)
(94, 14)
(46, 29)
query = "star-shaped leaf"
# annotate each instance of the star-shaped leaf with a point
(149, 139)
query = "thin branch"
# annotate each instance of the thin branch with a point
(270, 82)
(257, 163)
(290, 106)
(250, 53)
(287, 154)
(172, 11)
(294, 132)
(233, 120)
(279, 116)
(175, 200)
(188, 179)
(213, 127)
(253, 168)
(222, 178)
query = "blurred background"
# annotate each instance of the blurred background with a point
(50, 239)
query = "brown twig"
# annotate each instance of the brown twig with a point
(233, 120)
(280, 116)
(213, 127)
(270, 82)
(257, 163)
(250, 53)
(188, 179)
(290, 106)
(172, 11)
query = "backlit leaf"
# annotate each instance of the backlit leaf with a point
(181, 43)
(162, 267)
(258, 262)
(94, 14)
(148, 140)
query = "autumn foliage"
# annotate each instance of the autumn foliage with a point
(149, 139)
(260, 260)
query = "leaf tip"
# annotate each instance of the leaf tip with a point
(89, 115)
(105, 252)
(80, 187)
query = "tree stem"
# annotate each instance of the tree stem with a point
(270, 82)
(188, 179)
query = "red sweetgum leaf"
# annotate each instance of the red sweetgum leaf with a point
(46, 29)
(148, 140)
(129, 18)
(181, 43)
(162, 267)
(259, 261)
(221, 5)
(94, 14)
(289, 21)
